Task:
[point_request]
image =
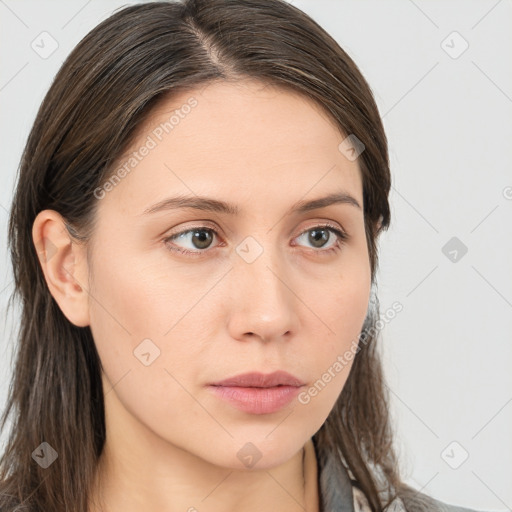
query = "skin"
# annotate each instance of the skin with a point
(171, 443)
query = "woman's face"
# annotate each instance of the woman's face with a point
(263, 289)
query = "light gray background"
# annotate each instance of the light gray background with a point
(448, 121)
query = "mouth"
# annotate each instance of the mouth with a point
(258, 393)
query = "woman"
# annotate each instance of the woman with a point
(194, 242)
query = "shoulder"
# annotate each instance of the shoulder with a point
(409, 500)
(412, 500)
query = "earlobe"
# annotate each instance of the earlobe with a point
(64, 265)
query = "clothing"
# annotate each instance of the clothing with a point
(339, 493)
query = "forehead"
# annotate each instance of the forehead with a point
(244, 139)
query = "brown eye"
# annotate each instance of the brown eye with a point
(199, 240)
(318, 236)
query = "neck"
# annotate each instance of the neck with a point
(291, 487)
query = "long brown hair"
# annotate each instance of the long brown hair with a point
(103, 92)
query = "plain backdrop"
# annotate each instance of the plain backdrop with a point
(441, 74)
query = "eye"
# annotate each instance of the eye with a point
(200, 239)
(318, 235)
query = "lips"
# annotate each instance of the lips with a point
(261, 380)
(258, 393)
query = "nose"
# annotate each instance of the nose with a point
(262, 301)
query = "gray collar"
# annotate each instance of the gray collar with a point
(334, 485)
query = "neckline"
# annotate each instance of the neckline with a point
(334, 484)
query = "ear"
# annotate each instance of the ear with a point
(64, 265)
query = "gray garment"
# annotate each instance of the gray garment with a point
(337, 493)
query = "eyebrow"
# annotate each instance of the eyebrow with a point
(213, 205)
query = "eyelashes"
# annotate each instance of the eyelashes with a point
(340, 238)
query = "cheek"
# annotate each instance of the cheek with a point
(341, 301)
(144, 318)
(145, 341)
(129, 296)
(342, 307)
(343, 311)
